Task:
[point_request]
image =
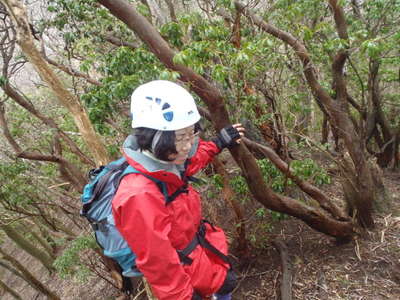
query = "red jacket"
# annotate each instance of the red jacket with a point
(155, 231)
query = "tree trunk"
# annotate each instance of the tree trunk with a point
(314, 217)
(229, 198)
(5, 265)
(387, 147)
(27, 246)
(383, 203)
(171, 9)
(158, 12)
(45, 233)
(25, 40)
(29, 277)
(36, 236)
(9, 290)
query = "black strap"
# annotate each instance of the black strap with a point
(127, 286)
(200, 239)
(98, 225)
(103, 180)
(180, 190)
(206, 244)
(94, 172)
(184, 253)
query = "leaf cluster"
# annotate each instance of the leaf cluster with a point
(71, 264)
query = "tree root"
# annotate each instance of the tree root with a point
(286, 282)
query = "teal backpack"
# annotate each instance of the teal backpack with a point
(97, 198)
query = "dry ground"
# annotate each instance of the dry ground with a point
(367, 268)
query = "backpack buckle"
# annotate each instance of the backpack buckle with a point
(94, 226)
(100, 226)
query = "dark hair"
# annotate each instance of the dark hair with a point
(166, 144)
(164, 148)
(198, 127)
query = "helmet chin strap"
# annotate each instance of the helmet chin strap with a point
(156, 139)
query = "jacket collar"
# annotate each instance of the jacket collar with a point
(161, 170)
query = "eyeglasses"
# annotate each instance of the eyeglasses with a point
(184, 139)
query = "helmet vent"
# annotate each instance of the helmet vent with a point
(165, 106)
(169, 116)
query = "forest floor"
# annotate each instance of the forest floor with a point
(366, 268)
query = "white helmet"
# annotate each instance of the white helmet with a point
(163, 105)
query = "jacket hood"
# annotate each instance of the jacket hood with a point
(147, 164)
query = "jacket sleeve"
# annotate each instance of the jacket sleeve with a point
(144, 222)
(203, 156)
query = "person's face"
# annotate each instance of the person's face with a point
(184, 139)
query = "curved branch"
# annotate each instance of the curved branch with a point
(124, 11)
(305, 186)
(39, 156)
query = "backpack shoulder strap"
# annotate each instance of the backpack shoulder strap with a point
(161, 184)
(121, 165)
(99, 181)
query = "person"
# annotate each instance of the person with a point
(169, 238)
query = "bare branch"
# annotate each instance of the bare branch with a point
(171, 9)
(340, 21)
(76, 177)
(118, 42)
(71, 71)
(6, 131)
(25, 103)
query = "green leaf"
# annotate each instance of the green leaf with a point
(3, 80)
(180, 58)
